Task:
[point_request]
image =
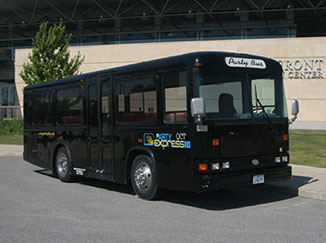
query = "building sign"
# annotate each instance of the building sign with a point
(245, 62)
(302, 68)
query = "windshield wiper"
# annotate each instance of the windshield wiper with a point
(265, 115)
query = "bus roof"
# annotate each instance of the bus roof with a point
(207, 59)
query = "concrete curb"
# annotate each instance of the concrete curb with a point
(307, 181)
(11, 154)
(11, 150)
(301, 192)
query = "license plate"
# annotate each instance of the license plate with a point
(258, 179)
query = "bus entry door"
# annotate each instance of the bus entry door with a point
(99, 121)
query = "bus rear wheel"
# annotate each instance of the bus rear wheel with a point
(63, 165)
(143, 177)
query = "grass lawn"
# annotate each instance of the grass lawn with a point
(11, 139)
(308, 147)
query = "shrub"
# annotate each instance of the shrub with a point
(11, 127)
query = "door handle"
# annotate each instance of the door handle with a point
(106, 140)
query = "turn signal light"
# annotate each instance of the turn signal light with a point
(202, 167)
(216, 142)
(285, 137)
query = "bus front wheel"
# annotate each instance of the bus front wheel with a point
(143, 177)
(63, 165)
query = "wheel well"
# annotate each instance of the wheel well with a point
(131, 156)
(54, 171)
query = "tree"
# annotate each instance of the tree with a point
(50, 57)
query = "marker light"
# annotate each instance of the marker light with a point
(215, 166)
(216, 142)
(277, 159)
(198, 64)
(202, 167)
(285, 137)
(226, 165)
(285, 158)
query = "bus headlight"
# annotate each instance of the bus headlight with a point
(226, 165)
(278, 159)
(285, 158)
(215, 166)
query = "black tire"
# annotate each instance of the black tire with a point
(144, 178)
(63, 165)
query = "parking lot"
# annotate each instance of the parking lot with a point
(36, 207)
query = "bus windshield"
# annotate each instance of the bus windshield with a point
(241, 95)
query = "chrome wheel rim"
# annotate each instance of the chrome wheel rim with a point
(62, 163)
(143, 176)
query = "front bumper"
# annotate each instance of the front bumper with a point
(226, 180)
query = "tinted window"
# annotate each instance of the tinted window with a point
(105, 106)
(27, 110)
(92, 110)
(42, 108)
(175, 93)
(69, 106)
(136, 100)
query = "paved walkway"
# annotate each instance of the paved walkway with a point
(308, 125)
(307, 181)
(11, 150)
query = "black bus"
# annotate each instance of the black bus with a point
(195, 122)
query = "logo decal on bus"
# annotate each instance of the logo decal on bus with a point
(148, 139)
(165, 140)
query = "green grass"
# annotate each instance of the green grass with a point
(308, 147)
(11, 139)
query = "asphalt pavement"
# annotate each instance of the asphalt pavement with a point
(309, 182)
(37, 207)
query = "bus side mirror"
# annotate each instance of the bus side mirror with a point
(198, 109)
(295, 111)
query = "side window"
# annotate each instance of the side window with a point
(105, 106)
(42, 108)
(92, 110)
(69, 105)
(175, 97)
(137, 100)
(28, 115)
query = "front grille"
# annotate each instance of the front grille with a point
(245, 163)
